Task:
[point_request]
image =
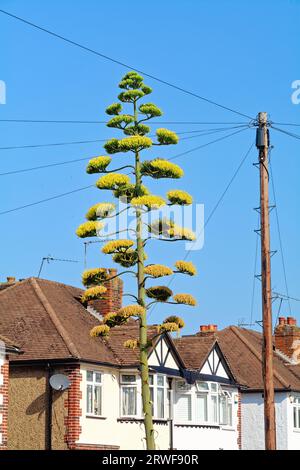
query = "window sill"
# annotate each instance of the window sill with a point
(296, 430)
(95, 417)
(227, 428)
(124, 419)
(197, 425)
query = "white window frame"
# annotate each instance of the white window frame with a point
(136, 386)
(296, 413)
(94, 384)
(155, 387)
(210, 389)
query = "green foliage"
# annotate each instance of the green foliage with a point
(112, 181)
(135, 143)
(186, 267)
(112, 146)
(161, 168)
(114, 109)
(140, 129)
(146, 89)
(94, 276)
(98, 165)
(166, 137)
(150, 109)
(181, 198)
(159, 293)
(115, 246)
(89, 229)
(130, 96)
(157, 270)
(134, 80)
(100, 210)
(120, 121)
(174, 319)
(151, 202)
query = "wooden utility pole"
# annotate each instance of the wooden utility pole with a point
(262, 143)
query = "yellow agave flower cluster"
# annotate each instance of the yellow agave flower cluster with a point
(100, 210)
(98, 164)
(186, 267)
(158, 270)
(167, 327)
(166, 137)
(161, 168)
(115, 246)
(131, 344)
(186, 299)
(151, 202)
(175, 319)
(112, 181)
(94, 276)
(131, 311)
(93, 293)
(100, 330)
(89, 229)
(181, 198)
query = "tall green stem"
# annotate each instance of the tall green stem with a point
(146, 397)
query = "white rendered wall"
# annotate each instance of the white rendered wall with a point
(110, 431)
(253, 421)
(1, 383)
(202, 438)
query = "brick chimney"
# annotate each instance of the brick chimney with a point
(112, 300)
(10, 281)
(206, 330)
(287, 337)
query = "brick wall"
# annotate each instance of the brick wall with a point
(113, 296)
(287, 337)
(4, 369)
(72, 403)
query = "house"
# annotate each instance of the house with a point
(195, 395)
(242, 349)
(7, 347)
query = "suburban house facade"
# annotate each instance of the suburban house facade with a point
(206, 388)
(194, 405)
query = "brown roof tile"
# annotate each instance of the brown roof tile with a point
(48, 321)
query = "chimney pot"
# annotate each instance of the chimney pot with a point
(291, 321)
(203, 328)
(11, 279)
(281, 321)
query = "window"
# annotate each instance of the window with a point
(204, 403)
(158, 391)
(128, 395)
(296, 412)
(93, 393)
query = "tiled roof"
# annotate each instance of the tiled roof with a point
(48, 321)
(243, 350)
(194, 350)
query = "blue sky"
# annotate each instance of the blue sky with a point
(244, 55)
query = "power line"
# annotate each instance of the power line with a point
(291, 134)
(208, 143)
(286, 124)
(280, 237)
(46, 200)
(215, 207)
(198, 131)
(67, 162)
(57, 121)
(85, 48)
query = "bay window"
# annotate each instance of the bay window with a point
(93, 393)
(128, 395)
(206, 403)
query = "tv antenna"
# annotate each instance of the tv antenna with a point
(51, 258)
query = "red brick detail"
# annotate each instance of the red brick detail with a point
(4, 369)
(72, 403)
(112, 300)
(285, 335)
(96, 447)
(239, 424)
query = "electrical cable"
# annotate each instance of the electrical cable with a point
(106, 57)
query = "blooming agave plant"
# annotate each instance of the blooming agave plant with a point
(131, 253)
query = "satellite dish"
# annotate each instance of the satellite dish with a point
(59, 382)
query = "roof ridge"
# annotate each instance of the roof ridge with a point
(257, 355)
(55, 320)
(15, 284)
